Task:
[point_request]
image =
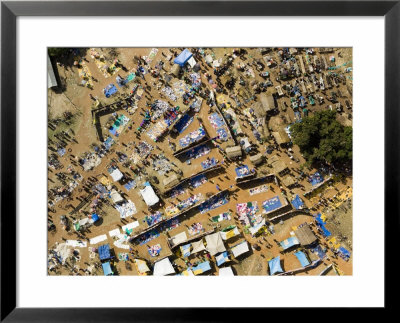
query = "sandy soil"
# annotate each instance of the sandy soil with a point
(82, 134)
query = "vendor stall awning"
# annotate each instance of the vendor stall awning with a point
(107, 269)
(141, 266)
(198, 246)
(226, 271)
(179, 238)
(149, 195)
(240, 249)
(302, 258)
(275, 266)
(289, 242)
(183, 57)
(104, 252)
(222, 258)
(214, 243)
(163, 268)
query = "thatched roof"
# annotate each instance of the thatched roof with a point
(235, 151)
(305, 235)
(267, 102)
(281, 137)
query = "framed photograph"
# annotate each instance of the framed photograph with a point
(143, 141)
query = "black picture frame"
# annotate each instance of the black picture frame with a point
(9, 13)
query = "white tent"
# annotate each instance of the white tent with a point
(116, 175)
(163, 268)
(226, 271)
(192, 62)
(214, 243)
(149, 196)
(198, 246)
(240, 249)
(131, 225)
(116, 197)
(179, 238)
(51, 78)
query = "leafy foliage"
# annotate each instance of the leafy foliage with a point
(322, 138)
(59, 51)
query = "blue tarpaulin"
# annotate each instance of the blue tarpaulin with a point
(302, 258)
(109, 90)
(319, 251)
(344, 252)
(104, 252)
(108, 143)
(289, 242)
(242, 171)
(321, 224)
(203, 267)
(297, 202)
(95, 217)
(272, 204)
(107, 269)
(316, 179)
(130, 185)
(275, 266)
(183, 57)
(222, 258)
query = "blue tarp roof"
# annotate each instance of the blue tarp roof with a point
(302, 258)
(297, 202)
(109, 90)
(183, 57)
(316, 179)
(272, 204)
(95, 217)
(204, 266)
(222, 258)
(321, 224)
(275, 266)
(242, 171)
(107, 269)
(104, 252)
(344, 251)
(289, 242)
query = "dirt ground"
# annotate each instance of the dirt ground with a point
(78, 134)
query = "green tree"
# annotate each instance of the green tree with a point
(58, 51)
(322, 138)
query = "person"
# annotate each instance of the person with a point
(217, 187)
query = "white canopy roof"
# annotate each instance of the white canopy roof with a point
(192, 62)
(241, 248)
(198, 246)
(226, 271)
(179, 238)
(116, 175)
(163, 268)
(214, 243)
(149, 196)
(116, 197)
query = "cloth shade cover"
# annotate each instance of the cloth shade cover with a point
(149, 196)
(107, 269)
(226, 271)
(275, 266)
(240, 249)
(214, 243)
(163, 268)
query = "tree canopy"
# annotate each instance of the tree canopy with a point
(322, 138)
(58, 51)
